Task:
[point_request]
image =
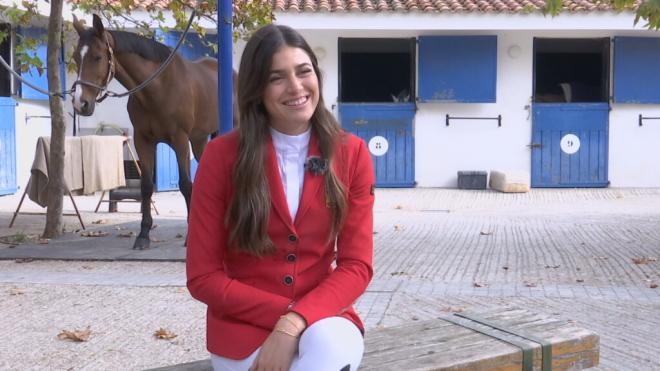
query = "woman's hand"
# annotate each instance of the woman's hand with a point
(281, 346)
(276, 353)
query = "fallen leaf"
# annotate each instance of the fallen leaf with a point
(552, 266)
(24, 260)
(11, 246)
(644, 260)
(126, 234)
(43, 241)
(87, 267)
(653, 286)
(505, 267)
(485, 233)
(479, 284)
(530, 284)
(375, 232)
(164, 334)
(178, 235)
(579, 280)
(414, 318)
(94, 234)
(100, 221)
(398, 228)
(398, 207)
(16, 291)
(156, 240)
(75, 335)
(397, 273)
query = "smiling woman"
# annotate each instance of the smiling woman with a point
(275, 203)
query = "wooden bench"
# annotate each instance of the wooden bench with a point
(456, 342)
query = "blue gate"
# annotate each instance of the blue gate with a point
(570, 145)
(7, 146)
(387, 129)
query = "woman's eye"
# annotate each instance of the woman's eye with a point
(275, 78)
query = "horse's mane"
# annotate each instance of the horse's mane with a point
(128, 42)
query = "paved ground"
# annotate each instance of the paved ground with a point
(585, 255)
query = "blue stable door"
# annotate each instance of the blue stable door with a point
(570, 144)
(387, 130)
(7, 146)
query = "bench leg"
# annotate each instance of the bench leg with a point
(76, 208)
(99, 204)
(11, 224)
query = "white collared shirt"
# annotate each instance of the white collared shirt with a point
(291, 152)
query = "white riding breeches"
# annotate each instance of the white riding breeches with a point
(330, 344)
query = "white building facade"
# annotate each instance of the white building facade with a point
(436, 92)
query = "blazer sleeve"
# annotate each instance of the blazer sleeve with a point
(336, 293)
(207, 279)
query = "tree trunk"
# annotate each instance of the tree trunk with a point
(56, 187)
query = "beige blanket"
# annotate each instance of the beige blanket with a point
(103, 162)
(91, 163)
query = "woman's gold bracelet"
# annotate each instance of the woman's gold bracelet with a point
(286, 332)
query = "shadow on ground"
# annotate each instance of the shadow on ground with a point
(105, 242)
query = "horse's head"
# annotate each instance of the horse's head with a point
(95, 64)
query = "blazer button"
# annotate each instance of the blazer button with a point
(291, 258)
(288, 280)
(293, 238)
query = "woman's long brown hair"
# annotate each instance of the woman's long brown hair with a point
(250, 207)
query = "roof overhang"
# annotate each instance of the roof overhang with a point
(417, 21)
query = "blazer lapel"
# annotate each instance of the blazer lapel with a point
(311, 183)
(277, 196)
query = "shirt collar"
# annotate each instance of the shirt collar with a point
(285, 143)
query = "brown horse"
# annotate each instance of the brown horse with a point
(177, 108)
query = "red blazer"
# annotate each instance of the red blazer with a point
(246, 295)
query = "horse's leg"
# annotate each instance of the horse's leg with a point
(182, 150)
(146, 150)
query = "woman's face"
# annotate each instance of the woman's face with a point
(292, 91)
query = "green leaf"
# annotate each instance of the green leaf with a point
(553, 7)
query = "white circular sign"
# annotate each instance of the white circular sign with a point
(378, 145)
(570, 143)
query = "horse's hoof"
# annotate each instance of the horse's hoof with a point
(141, 243)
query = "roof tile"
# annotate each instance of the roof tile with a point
(404, 6)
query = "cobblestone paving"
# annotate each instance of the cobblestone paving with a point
(590, 256)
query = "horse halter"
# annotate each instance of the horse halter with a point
(103, 90)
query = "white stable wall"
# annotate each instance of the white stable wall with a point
(441, 151)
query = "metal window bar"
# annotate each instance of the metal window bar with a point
(641, 119)
(498, 118)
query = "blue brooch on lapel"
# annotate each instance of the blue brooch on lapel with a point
(316, 165)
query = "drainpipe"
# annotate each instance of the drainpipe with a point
(225, 69)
